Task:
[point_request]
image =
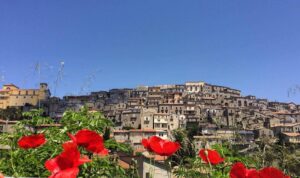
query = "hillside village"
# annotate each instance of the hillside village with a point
(216, 113)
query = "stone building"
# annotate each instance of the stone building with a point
(194, 87)
(287, 127)
(131, 118)
(134, 136)
(293, 138)
(192, 104)
(13, 96)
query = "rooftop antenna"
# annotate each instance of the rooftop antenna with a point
(30, 73)
(293, 90)
(87, 84)
(59, 76)
(2, 76)
(38, 69)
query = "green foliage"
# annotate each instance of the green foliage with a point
(85, 120)
(11, 114)
(34, 118)
(102, 167)
(30, 163)
(192, 131)
(285, 157)
(113, 146)
(187, 148)
(18, 162)
(194, 167)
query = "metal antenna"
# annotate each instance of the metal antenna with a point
(87, 83)
(2, 76)
(59, 76)
(38, 69)
(30, 73)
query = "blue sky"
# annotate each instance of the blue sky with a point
(251, 45)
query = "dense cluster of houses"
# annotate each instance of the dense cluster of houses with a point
(218, 113)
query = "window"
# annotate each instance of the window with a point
(147, 175)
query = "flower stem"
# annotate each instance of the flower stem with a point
(11, 160)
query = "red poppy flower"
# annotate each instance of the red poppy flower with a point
(146, 144)
(66, 164)
(271, 172)
(32, 141)
(1, 175)
(91, 140)
(160, 146)
(238, 170)
(210, 156)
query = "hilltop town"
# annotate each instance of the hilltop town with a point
(215, 113)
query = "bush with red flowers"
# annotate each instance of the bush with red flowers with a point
(225, 161)
(80, 146)
(73, 147)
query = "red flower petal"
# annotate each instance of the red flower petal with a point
(210, 156)
(162, 147)
(252, 173)
(67, 173)
(32, 141)
(271, 172)
(146, 144)
(238, 170)
(83, 160)
(85, 137)
(103, 152)
(72, 137)
(91, 140)
(156, 145)
(170, 148)
(52, 165)
(66, 164)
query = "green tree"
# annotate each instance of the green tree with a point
(18, 162)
